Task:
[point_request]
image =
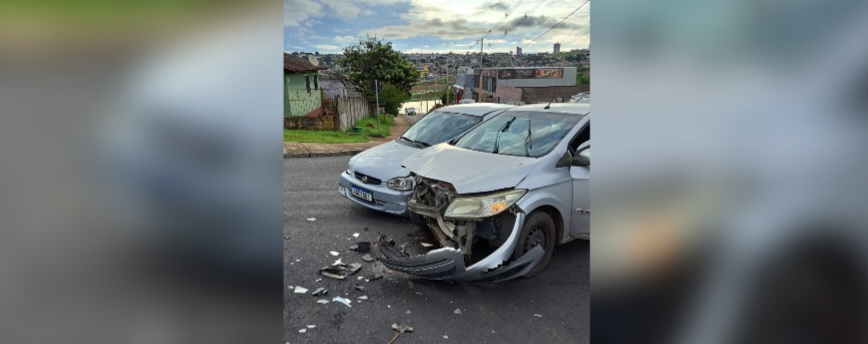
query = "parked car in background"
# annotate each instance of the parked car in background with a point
(375, 177)
(498, 199)
(410, 111)
(584, 97)
(467, 101)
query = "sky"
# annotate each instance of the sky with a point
(441, 26)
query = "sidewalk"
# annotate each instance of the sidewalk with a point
(309, 150)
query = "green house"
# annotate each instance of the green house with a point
(302, 95)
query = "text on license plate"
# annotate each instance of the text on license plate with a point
(360, 193)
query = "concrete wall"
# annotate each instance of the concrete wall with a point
(351, 110)
(509, 95)
(297, 101)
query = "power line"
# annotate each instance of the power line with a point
(559, 23)
(577, 37)
(514, 7)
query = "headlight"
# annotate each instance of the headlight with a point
(400, 183)
(483, 206)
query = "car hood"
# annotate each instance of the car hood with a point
(383, 161)
(469, 171)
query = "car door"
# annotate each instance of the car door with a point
(580, 223)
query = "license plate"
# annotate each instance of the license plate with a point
(363, 194)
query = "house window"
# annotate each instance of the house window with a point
(315, 82)
(307, 83)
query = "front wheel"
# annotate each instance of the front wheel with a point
(539, 229)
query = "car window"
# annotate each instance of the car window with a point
(507, 134)
(440, 126)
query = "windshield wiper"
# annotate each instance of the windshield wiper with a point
(528, 142)
(502, 130)
(417, 143)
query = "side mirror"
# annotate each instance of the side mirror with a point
(582, 159)
(565, 159)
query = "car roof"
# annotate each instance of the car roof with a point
(568, 108)
(476, 109)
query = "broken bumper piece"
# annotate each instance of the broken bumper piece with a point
(448, 263)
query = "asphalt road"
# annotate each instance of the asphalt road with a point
(552, 307)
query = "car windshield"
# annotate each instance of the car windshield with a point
(438, 127)
(507, 134)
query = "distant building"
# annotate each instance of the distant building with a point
(423, 71)
(507, 85)
(557, 48)
(517, 51)
(302, 93)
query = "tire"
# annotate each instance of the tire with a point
(418, 220)
(538, 229)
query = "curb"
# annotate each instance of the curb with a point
(316, 155)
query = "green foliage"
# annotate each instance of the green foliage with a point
(582, 80)
(367, 126)
(373, 59)
(391, 99)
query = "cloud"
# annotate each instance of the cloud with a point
(295, 12)
(327, 47)
(346, 39)
(444, 29)
(343, 9)
(496, 6)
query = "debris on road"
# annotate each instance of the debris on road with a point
(334, 253)
(402, 328)
(457, 311)
(300, 290)
(311, 219)
(318, 279)
(342, 300)
(367, 257)
(311, 326)
(445, 337)
(366, 228)
(363, 298)
(339, 270)
(356, 235)
(359, 287)
(408, 311)
(322, 301)
(538, 315)
(331, 275)
(320, 292)
(373, 278)
(304, 330)
(361, 246)
(426, 245)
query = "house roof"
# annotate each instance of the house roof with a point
(297, 64)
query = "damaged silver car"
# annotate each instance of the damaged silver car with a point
(498, 199)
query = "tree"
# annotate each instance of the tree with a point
(391, 99)
(372, 59)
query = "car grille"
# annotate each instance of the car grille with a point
(368, 179)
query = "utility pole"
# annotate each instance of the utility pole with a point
(479, 96)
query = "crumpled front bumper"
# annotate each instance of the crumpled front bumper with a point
(448, 263)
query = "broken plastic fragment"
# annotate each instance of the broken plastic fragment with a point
(426, 245)
(457, 311)
(375, 277)
(304, 330)
(320, 291)
(334, 253)
(363, 297)
(402, 328)
(356, 235)
(311, 326)
(538, 315)
(300, 290)
(338, 262)
(408, 311)
(360, 287)
(331, 275)
(367, 257)
(311, 219)
(342, 300)
(361, 246)
(322, 301)
(355, 267)
(445, 337)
